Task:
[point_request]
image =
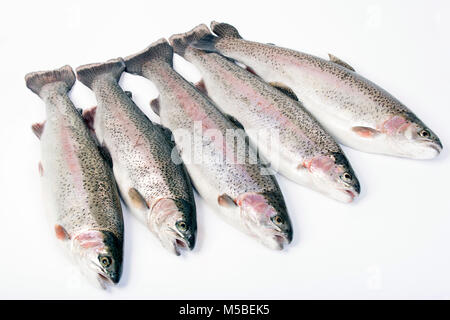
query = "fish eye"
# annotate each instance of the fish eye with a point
(425, 133)
(105, 261)
(347, 176)
(278, 220)
(182, 226)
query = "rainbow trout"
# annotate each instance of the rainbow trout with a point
(80, 193)
(155, 189)
(237, 189)
(357, 112)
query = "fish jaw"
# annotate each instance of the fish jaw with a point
(175, 244)
(275, 242)
(422, 151)
(173, 222)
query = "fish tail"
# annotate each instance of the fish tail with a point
(181, 41)
(35, 81)
(159, 50)
(225, 30)
(209, 42)
(206, 43)
(89, 72)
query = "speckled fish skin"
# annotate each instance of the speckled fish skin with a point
(357, 112)
(80, 193)
(307, 154)
(155, 189)
(239, 192)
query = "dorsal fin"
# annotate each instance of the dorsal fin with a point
(285, 89)
(340, 62)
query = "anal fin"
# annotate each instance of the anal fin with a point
(340, 62)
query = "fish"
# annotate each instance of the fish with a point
(355, 111)
(80, 194)
(306, 153)
(237, 189)
(156, 189)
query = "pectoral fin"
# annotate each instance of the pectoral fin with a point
(226, 201)
(61, 233)
(285, 89)
(365, 132)
(129, 94)
(137, 199)
(340, 62)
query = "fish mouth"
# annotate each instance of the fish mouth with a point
(104, 281)
(277, 241)
(429, 150)
(436, 146)
(351, 194)
(177, 245)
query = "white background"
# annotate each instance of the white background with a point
(391, 243)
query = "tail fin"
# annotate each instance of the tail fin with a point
(159, 50)
(225, 30)
(36, 80)
(206, 43)
(181, 41)
(87, 73)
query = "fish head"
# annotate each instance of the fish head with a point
(333, 176)
(415, 140)
(100, 254)
(174, 222)
(264, 216)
